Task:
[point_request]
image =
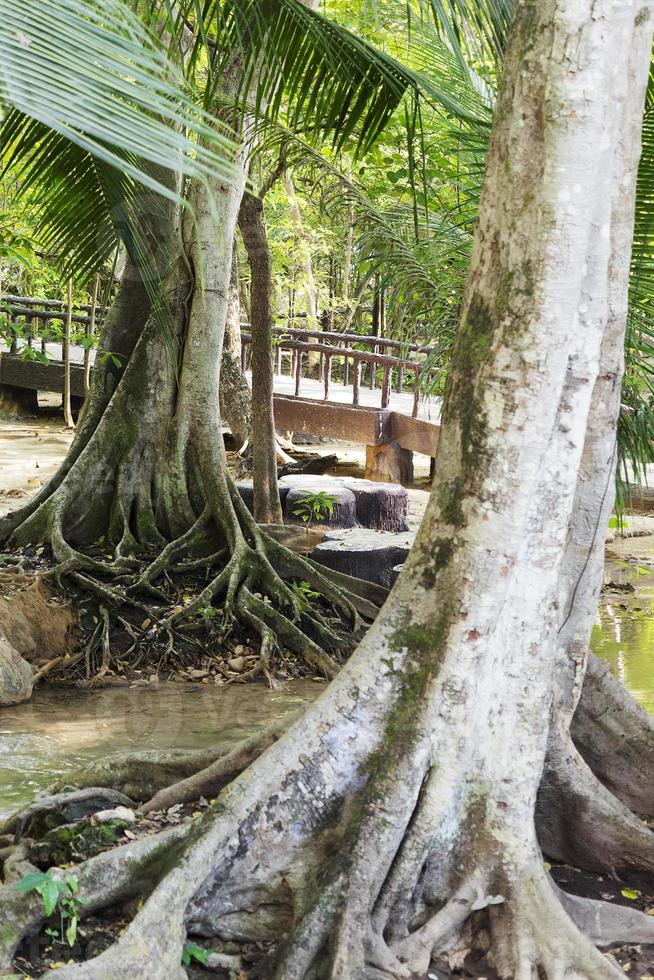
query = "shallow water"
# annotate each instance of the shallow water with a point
(59, 730)
(624, 635)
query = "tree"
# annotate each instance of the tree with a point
(399, 815)
(150, 442)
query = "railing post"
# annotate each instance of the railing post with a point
(416, 395)
(68, 413)
(327, 376)
(400, 378)
(386, 387)
(278, 358)
(298, 371)
(373, 369)
(13, 349)
(357, 381)
(346, 365)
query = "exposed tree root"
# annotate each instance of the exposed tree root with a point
(583, 824)
(109, 878)
(616, 738)
(209, 781)
(249, 578)
(533, 935)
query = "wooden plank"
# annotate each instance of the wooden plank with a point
(418, 435)
(41, 377)
(368, 426)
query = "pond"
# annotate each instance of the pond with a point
(624, 635)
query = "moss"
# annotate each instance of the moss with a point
(441, 551)
(450, 497)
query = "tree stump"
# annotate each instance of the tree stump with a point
(370, 555)
(389, 463)
(345, 507)
(380, 506)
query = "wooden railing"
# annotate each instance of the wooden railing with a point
(32, 309)
(332, 348)
(348, 352)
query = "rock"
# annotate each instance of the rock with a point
(236, 663)
(68, 806)
(366, 554)
(16, 678)
(197, 675)
(117, 813)
(78, 841)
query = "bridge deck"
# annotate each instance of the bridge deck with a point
(338, 417)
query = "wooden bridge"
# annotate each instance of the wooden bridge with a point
(358, 388)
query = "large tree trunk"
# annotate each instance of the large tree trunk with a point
(235, 394)
(252, 222)
(397, 817)
(151, 447)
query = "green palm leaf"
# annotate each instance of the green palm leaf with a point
(89, 71)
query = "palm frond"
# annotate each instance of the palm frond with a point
(277, 56)
(88, 70)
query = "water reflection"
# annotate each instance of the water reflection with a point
(624, 635)
(59, 729)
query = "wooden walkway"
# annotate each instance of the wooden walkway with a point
(368, 389)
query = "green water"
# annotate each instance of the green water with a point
(624, 635)
(60, 730)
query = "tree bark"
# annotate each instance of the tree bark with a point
(267, 504)
(235, 394)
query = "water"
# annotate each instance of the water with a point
(60, 730)
(624, 635)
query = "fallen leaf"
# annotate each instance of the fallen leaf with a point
(630, 893)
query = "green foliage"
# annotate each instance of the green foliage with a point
(304, 591)
(192, 952)
(315, 506)
(57, 894)
(208, 613)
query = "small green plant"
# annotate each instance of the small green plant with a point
(57, 894)
(304, 591)
(617, 522)
(32, 354)
(115, 360)
(314, 506)
(208, 613)
(193, 952)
